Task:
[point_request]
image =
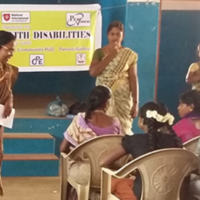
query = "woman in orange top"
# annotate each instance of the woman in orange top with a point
(8, 74)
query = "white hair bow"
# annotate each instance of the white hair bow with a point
(159, 118)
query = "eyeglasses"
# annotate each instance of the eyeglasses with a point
(7, 49)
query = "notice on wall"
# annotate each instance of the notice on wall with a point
(53, 37)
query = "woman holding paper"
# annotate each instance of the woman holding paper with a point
(8, 74)
(116, 67)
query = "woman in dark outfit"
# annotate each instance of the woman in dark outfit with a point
(156, 122)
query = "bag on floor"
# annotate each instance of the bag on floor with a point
(57, 108)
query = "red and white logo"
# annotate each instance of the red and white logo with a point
(6, 16)
(15, 17)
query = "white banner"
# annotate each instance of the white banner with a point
(53, 37)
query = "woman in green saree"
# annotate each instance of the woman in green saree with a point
(115, 66)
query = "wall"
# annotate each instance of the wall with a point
(77, 83)
(180, 34)
(142, 35)
(141, 29)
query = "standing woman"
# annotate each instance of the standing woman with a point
(8, 74)
(193, 74)
(116, 67)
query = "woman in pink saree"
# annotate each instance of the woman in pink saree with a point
(93, 123)
(189, 110)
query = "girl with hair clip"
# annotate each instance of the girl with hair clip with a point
(156, 122)
(94, 122)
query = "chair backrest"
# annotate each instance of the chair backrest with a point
(191, 145)
(162, 172)
(94, 150)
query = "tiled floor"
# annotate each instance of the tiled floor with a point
(31, 188)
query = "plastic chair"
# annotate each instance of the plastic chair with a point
(162, 173)
(91, 152)
(191, 145)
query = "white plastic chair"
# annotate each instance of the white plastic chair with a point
(91, 151)
(162, 173)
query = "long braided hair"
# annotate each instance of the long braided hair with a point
(153, 125)
(97, 100)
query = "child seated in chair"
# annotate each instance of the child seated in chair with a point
(95, 122)
(189, 110)
(156, 122)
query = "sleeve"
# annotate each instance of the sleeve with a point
(118, 125)
(14, 74)
(193, 67)
(98, 55)
(178, 127)
(134, 58)
(127, 143)
(71, 134)
(182, 130)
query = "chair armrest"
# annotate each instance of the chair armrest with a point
(108, 171)
(113, 173)
(63, 155)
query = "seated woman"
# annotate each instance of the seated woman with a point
(189, 110)
(156, 122)
(88, 125)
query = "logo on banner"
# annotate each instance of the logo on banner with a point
(6, 16)
(15, 17)
(78, 19)
(80, 59)
(36, 60)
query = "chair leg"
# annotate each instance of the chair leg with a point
(64, 191)
(83, 192)
(63, 178)
(105, 185)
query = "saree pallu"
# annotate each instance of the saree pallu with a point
(5, 93)
(116, 77)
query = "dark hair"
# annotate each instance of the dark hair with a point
(115, 24)
(191, 97)
(6, 37)
(153, 125)
(97, 99)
